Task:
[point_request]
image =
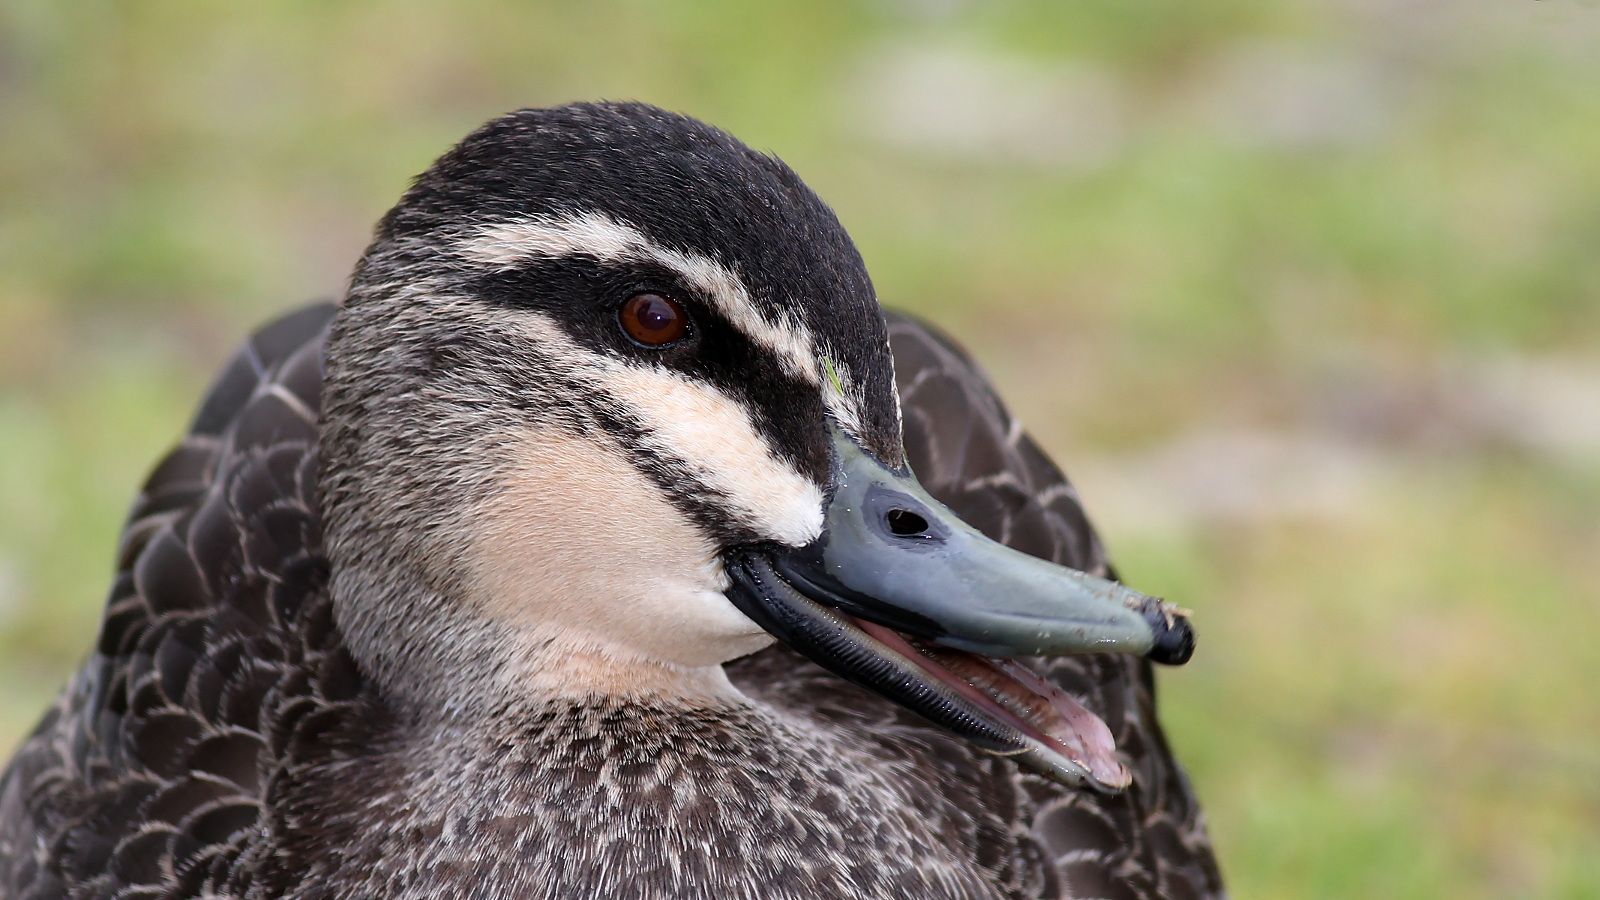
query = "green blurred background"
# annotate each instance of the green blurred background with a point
(1306, 296)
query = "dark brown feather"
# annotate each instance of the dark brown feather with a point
(205, 747)
(151, 763)
(971, 454)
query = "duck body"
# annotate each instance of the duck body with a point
(226, 738)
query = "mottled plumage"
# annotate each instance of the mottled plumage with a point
(221, 739)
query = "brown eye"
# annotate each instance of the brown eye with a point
(653, 320)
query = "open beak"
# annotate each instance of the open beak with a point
(903, 598)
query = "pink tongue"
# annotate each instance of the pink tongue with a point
(1085, 738)
(1077, 733)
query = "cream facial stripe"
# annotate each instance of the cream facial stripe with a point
(508, 243)
(708, 431)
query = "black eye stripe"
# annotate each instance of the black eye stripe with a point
(579, 282)
(583, 295)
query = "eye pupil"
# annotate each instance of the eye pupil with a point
(653, 319)
(655, 315)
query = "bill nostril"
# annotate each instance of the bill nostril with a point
(905, 523)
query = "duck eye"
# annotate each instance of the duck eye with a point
(653, 320)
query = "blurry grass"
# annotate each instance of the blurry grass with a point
(1393, 702)
(1411, 708)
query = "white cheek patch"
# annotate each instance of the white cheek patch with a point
(702, 428)
(508, 243)
(578, 549)
(713, 434)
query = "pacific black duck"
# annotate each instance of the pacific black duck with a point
(470, 586)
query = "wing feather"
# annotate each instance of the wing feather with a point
(148, 772)
(218, 657)
(974, 456)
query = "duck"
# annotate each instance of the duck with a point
(609, 539)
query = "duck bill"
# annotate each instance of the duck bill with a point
(903, 598)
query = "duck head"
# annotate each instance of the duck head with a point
(610, 403)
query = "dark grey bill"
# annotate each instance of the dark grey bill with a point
(903, 598)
